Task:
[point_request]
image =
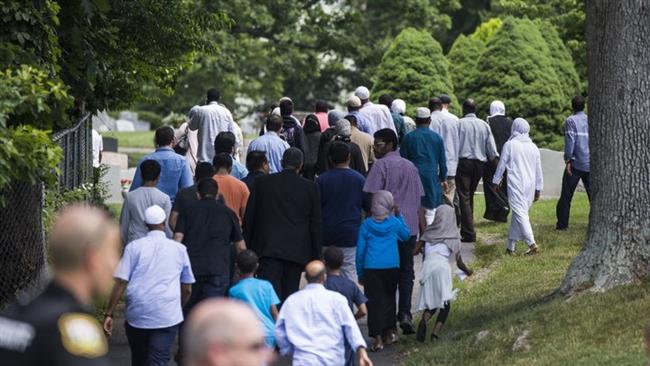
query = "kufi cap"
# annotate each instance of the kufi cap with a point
(154, 215)
(362, 92)
(423, 112)
(354, 101)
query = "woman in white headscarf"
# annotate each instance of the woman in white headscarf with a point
(399, 107)
(521, 157)
(441, 242)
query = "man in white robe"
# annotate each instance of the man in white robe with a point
(521, 158)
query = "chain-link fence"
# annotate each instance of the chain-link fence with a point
(23, 250)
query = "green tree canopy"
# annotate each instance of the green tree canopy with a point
(561, 59)
(463, 56)
(414, 69)
(517, 68)
(487, 29)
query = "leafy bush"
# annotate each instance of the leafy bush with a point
(463, 56)
(518, 68)
(414, 69)
(561, 59)
(153, 118)
(487, 30)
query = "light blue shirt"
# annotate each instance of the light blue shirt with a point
(261, 296)
(576, 141)
(154, 268)
(175, 174)
(273, 146)
(314, 324)
(238, 171)
(362, 122)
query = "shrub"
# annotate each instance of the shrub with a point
(414, 69)
(561, 60)
(517, 68)
(487, 30)
(463, 56)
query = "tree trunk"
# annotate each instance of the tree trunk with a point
(618, 52)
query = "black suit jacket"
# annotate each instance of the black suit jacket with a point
(283, 218)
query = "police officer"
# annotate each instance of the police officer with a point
(57, 327)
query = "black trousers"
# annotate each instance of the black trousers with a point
(406, 278)
(569, 184)
(150, 347)
(380, 286)
(496, 203)
(468, 174)
(283, 275)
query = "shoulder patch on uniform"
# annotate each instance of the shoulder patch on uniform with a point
(81, 335)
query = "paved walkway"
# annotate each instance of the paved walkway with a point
(120, 354)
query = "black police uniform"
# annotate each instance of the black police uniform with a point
(55, 330)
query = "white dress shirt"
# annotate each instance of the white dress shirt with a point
(377, 117)
(314, 324)
(446, 125)
(210, 119)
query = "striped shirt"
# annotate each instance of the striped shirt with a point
(576, 141)
(401, 178)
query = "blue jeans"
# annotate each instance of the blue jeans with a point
(569, 184)
(150, 347)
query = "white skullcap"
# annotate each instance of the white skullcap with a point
(276, 111)
(286, 98)
(154, 215)
(354, 101)
(362, 92)
(398, 106)
(423, 112)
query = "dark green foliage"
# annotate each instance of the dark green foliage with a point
(561, 59)
(517, 68)
(463, 56)
(153, 118)
(414, 69)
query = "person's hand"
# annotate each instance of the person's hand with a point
(569, 172)
(108, 325)
(537, 194)
(496, 187)
(364, 360)
(445, 187)
(396, 210)
(418, 248)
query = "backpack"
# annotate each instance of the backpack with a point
(289, 134)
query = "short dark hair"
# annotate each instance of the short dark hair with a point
(386, 99)
(203, 170)
(274, 123)
(247, 261)
(164, 136)
(222, 161)
(225, 142)
(321, 106)
(292, 158)
(333, 257)
(207, 187)
(255, 160)
(445, 99)
(578, 103)
(469, 106)
(213, 95)
(286, 107)
(353, 119)
(435, 104)
(339, 152)
(149, 170)
(388, 136)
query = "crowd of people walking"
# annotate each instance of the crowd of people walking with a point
(347, 198)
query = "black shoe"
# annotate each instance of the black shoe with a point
(407, 327)
(422, 331)
(510, 252)
(434, 337)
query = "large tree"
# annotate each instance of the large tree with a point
(414, 69)
(617, 250)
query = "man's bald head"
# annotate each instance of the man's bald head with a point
(315, 272)
(223, 332)
(77, 229)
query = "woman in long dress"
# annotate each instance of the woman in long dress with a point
(521, 158)
(441, 244)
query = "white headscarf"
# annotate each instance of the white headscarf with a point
(520, 130)
(398, 106)
(497, 108)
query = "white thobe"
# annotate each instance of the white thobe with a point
(210, 119)
(521, 158)
(377, 116)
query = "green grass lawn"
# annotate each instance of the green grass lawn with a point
(514, 294)
(132, 139)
